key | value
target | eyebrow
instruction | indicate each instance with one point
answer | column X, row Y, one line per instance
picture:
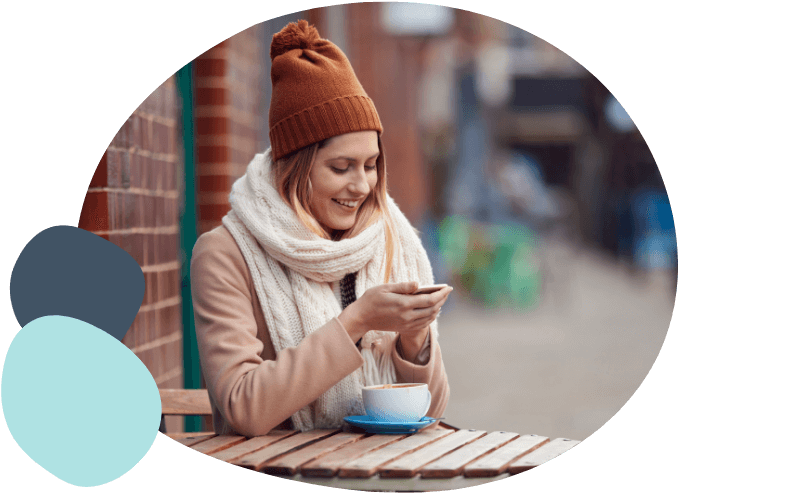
column 348, row 158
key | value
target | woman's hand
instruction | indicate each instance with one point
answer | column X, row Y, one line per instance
column 391, row 308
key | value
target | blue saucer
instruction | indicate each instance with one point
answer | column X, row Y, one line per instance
column 378, row 427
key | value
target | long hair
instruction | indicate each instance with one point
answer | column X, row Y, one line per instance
column 291, row 176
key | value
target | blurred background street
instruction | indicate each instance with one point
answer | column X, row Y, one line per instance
column 565, row 367
column 536, row 197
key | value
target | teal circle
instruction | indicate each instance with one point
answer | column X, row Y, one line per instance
column 78, row 401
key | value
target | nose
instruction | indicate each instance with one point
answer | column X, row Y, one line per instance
column 360, row 183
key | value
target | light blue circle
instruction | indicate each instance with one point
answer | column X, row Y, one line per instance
column 78, row 401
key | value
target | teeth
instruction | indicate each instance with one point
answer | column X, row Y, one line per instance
column 351, row 204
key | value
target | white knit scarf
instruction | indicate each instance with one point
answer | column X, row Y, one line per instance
column 293, row 268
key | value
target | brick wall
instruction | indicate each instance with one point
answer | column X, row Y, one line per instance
column 132, row 201
column 389, row 68
column 229, row 105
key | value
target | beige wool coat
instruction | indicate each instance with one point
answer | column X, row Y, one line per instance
column 253, row 391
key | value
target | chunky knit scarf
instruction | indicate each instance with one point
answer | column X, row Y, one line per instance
column 293, row 268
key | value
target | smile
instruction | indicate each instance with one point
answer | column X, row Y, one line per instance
column 346, row 203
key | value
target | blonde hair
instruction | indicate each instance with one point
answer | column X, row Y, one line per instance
column 291, row 177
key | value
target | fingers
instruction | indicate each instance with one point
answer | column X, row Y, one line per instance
column 430, row 299
column 402, row 288
column 429, row 313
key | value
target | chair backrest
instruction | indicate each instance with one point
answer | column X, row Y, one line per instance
column 184, row 402
column 196, row 402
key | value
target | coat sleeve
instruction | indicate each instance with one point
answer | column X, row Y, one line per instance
column 432, row 373
column 252, row 394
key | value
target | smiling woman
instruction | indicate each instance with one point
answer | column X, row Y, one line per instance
column 343, row 182
column 304, row 295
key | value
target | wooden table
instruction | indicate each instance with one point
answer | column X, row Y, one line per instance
column 433, row 459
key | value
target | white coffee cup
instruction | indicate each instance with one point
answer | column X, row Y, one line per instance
column 396, row 402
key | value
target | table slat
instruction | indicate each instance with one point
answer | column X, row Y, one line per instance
column 329, row 465
column 217, row 443
column 452, row 464
column 409, row 465
column 258, row 458
column 180, row 435
column 497, row 462
column 289, row 463
column 190, row 440
column 541, row 455
column 368, row 464
column 252, row 444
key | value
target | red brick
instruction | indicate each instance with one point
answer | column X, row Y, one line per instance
column 148, row 216
column 125, row 169
column 174, row 354
column 164, row 138
column 151, row 242
column 94, row 214
column 209, row 67
column 170, row 211
column 173, row 140
column 212, row 125
column 213, row 183
column 145, row 133
column 119, row 211
column 167, row 248
column 100, row 178
column 168, row 284
column 158, row 249
column 156, row 137
column 152, row 327
column 144, row 172
column 159, row 209
column 128, row 210
column 138, row 245
column 171, row 176
column 159, row 328
column 211, row 97
column 162, row 176
column 213, row 212
column 136, row 170
column 114, row 161
column 149, row 288
column 212, row 154
column 174, row 318
column 172, row 283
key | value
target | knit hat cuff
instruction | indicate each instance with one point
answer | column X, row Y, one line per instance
column 338, row 116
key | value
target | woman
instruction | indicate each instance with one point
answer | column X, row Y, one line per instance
column 304, row 294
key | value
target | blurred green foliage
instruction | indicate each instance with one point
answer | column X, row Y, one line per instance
column 495, row 265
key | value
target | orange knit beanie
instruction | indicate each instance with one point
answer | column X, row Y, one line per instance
column 315, row 93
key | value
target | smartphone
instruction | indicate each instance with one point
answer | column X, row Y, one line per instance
column 429, row 289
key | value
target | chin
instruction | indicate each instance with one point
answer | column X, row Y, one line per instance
column 341, row 225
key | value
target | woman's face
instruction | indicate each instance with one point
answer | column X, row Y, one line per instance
column 344, row 173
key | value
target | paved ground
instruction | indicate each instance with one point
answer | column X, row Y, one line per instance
column 566, row 367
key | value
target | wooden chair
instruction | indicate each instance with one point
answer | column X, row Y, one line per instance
column 195, row 402
column 184, row 402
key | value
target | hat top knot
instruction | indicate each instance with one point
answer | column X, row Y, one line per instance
column 299, row 35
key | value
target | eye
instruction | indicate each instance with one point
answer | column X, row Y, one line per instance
column 370, row 167
column 338, row 170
